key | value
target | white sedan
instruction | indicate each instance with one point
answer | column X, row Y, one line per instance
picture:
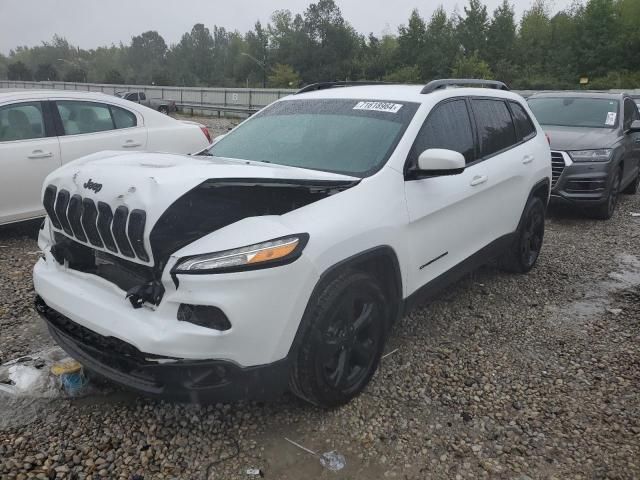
column 41, row 130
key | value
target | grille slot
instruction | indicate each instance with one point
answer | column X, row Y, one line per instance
column 119, row 232
column 119, row 229
column 61, row 211
column 557, row 167
column 73, row 214
column 137, row 220
column 89, row 222
column 105, row 217
column 49, row 201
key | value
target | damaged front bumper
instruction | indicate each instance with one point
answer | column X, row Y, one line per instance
column 196, row 381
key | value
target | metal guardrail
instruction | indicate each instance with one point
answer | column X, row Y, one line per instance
column 236, row 100
column 233, row 100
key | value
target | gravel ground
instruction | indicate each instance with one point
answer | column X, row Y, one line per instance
column 503, row 376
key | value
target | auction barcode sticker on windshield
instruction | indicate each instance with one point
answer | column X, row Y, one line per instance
column 379, row 106
column 611, row 118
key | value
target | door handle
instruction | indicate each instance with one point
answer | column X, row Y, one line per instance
column 130, row 144
column 40, row 154
column 478, row 179
column 527, row 159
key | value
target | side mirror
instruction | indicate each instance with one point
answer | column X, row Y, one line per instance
column 436, row 162
column 635, row 126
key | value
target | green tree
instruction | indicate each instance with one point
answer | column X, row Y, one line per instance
column 19, row 71
column 114, row 77
column 441, row 46
column 412, row 40
column 75, row 74
column 471, row 66
column 146, row 55
column 332, row 42
column 284, row 76
column 3, row 66
column 501, row 35
column 534, row 41
column 472, row 28
column 410, row 74
column 46, row 72
column 597, row 45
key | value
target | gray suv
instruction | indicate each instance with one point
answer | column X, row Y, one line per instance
column 595, row 147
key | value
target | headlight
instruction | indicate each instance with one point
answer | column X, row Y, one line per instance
column 260, row 255
column 601, row 155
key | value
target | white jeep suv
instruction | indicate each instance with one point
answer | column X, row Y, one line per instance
column 281, row 256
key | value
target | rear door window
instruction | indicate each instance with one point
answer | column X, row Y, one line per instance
column 630, row 113
column 496, row 131
column 448, row 126
column 84, row 117
column 525, row 129
column 21, row 121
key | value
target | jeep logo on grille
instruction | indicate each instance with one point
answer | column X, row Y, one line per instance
column 96, row 187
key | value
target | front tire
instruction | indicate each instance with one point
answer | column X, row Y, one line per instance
column 163, row 109
column 525, row 250
column 632, row 188
column 607, row 209
column 345, row 328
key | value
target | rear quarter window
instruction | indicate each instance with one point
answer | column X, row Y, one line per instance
column 496, row 131
column 525, row 129
column 123, row 118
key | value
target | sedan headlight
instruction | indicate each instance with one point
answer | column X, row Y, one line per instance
column 279, row 251
column 601, row 155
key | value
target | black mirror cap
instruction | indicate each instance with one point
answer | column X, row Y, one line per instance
column 635, row 126
column 415, row 173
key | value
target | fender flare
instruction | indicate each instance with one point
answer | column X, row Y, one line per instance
column 382, row 251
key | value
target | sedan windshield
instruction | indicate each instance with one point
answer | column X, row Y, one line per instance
column 351, row 137
column 576, row 111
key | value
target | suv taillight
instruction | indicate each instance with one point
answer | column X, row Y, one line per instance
column 205, row 130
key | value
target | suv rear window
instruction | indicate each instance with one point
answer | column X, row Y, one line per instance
column 496, row 131
column 351, row 137
column 525, row 128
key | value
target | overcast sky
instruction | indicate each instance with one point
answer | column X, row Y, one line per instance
column 92, row 23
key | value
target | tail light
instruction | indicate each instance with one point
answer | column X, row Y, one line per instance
column 205, row 130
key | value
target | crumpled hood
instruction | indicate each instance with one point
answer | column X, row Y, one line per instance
column 153, row 182
column 579, row 138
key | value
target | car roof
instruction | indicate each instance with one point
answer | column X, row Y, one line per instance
column 38, row 94
column 401, row 93
column 588, row 94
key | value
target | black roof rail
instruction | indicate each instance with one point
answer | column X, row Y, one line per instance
column 326, row 85
column 434, row 85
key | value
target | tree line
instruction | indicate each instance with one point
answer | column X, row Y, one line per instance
column 594, row 39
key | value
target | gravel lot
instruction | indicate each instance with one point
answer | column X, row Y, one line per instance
column 503, row 376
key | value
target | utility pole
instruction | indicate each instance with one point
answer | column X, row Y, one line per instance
column 262, row 65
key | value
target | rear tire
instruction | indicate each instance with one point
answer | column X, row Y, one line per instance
column 606, row 210
column 632, row 188
column 345, row 329
column 525, row 250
